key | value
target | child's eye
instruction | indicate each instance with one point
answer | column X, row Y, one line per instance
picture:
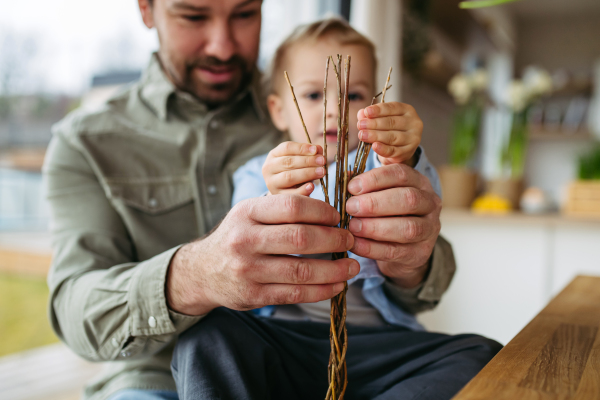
column 355, row 96
column 247, row 14
column 313, row 95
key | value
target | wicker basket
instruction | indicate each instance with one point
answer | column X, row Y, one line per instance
column 583, row 199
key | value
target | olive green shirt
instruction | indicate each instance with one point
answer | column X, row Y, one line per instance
column 127, row 185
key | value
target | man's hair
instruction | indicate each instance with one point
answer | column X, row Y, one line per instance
column 330, row 28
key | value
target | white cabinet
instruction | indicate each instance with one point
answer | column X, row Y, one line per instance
column 508, row 268
column 576, row 250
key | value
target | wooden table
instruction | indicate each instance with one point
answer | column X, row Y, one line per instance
column 556, row 356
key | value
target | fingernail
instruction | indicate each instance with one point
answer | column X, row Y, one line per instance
column 352, row 206
column 362, row 124
column 354, row 269
column 320, row 171
column 308, row 187
column 361, row 135
column 355, row 186
column 338, row 287
column 355, row 225
column 369, row 111
column 349, row 241
column 312, row 149
column 320, row 160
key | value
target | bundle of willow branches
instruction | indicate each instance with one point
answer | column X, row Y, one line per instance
column 338, row 336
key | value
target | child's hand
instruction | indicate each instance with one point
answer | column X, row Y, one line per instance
column 394, row 129
column 292, row 167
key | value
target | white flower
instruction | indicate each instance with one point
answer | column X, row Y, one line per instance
column 460, row 88
column 537, row 81
column 517, row 96
column 479, row 79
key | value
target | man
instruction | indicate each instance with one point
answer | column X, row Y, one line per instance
column 130, row 184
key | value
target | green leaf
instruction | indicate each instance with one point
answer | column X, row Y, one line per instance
column 483, row 3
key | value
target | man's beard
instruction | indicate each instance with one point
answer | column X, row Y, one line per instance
column 215, row 94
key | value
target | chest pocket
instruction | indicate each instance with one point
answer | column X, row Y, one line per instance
column 152, row 195
column 159, row 212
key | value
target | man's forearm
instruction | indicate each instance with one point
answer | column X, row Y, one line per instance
column 182, row 293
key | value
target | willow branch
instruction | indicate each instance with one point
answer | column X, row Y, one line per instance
column 287, row 78
column 326, row 187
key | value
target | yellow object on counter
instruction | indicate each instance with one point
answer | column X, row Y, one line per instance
column 491, row 203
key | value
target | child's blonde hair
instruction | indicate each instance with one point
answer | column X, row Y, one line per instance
column 334, row 28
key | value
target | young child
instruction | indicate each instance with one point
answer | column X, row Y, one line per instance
column 295, row 167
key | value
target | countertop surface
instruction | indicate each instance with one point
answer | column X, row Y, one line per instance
column 454, row 215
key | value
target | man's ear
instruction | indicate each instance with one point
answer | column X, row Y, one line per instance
column 146, row 11
column 275, row 105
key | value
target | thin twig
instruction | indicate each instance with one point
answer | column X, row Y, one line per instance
column 304, row 126
column 385, row 87
column 339, row 130
column 326, row 188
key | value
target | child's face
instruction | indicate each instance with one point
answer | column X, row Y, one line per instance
column 305, row 64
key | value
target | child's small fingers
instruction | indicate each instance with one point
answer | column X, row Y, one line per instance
column 388, row 109
column 291, row 178
column 399, row 152
column 286, row 163
column 391, row 138
column 303, row 190
column 390, row 123
column 296, row 149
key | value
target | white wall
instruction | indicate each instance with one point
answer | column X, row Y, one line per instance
column 552, row 164
column 381, row 21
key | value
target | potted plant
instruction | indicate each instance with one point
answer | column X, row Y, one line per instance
column 521, row 95
column 459, row 179
column 583, row 198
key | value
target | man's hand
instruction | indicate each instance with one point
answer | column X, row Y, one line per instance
column 291, row 167
column 395, row 130
column 244, row 264
column 396, row 221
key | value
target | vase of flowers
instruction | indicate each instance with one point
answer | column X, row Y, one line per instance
column 521, row 96
column 459, row 178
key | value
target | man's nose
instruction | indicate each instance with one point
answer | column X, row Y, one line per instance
column 220, row 42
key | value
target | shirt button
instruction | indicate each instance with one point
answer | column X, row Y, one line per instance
column 152, row 322
column 152, row 202
column 125, row 353
column 212, row 189
column 214, row 124
column 115, row 342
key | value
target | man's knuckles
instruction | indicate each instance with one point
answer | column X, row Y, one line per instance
column 300, row 237
column 411, row 199
column 299, row 272
column 291, row 207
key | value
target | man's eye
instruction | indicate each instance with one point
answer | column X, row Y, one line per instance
column 355, row 97
column 313, row 96
column 195, row 18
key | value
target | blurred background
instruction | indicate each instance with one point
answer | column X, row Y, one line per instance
column 510, row 99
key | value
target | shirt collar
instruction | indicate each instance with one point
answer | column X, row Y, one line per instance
column 157, row 90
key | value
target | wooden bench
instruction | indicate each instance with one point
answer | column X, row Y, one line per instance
column 556, row 356
column 47, row 373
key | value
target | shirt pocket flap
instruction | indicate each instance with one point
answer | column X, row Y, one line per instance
column 153, row 196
